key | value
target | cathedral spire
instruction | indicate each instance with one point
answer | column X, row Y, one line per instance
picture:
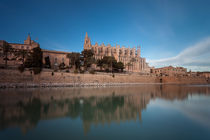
column 87, row 43
column 86, row 35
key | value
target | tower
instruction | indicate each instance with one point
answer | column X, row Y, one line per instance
column 28, row 40
column 87, row 43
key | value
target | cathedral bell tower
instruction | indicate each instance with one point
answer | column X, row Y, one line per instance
column 87, row 43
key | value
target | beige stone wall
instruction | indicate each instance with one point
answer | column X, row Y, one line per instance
column 56, row 58
column 185, row 80
column 170, row 71
column 14, row 76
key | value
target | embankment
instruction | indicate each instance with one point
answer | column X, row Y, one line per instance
column 13, row 78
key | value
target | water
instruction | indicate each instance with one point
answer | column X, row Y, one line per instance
column 172, row 112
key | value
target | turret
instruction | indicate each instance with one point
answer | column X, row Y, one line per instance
column 138, row 51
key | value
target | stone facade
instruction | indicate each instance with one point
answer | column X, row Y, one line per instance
column 13, row 60
column 131, row 57
column 169, row 71
column 56, row 57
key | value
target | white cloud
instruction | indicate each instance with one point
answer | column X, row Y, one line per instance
column 196, row 57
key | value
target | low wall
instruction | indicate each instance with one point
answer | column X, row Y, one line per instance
column 46, row 78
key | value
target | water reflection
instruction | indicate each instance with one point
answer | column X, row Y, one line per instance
column 24, row 108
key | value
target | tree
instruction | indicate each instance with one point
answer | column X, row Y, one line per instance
column 87, row 58
column 34, row 60
column 74, row 60
column 6, row 49
column 99, row 63
column 21, row 53
column 62, row 66
column 47, row 62
column 120, row 66
column 108, row 62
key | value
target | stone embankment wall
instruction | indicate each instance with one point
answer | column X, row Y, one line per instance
column 185, row 80
column 13, row 78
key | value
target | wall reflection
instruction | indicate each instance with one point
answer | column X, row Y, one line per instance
column 24, row 108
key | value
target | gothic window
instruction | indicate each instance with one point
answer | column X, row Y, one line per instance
column 27, row 47
column 22, row 47
column 55, row 60
column 63, row 60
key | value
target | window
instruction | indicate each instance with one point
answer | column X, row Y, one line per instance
column 22, row 47
column 63, row 60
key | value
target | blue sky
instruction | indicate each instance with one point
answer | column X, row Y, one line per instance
column 164, row 28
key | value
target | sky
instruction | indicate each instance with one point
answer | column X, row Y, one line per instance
column 170, row 32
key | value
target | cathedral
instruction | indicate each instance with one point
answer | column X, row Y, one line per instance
column 130, row 57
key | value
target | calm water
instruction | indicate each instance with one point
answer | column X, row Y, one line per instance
column 134, row 112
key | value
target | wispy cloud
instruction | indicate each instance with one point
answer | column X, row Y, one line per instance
column 52, row 45
column 196, row 57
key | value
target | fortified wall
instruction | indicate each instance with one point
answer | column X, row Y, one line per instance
column 10, row 78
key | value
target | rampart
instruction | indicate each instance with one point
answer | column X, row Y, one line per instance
column 13, row 78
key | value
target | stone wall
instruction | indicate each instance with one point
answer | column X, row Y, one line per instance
column 185, row 80
column 14, row 76
column 62, row 78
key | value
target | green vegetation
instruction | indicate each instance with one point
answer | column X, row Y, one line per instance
column 109, row 63
column 6, row 49
column 22, row 54
column 62, row 66
column 74, row 60
column 47, row 62
column 34, row 60
column 87, row 58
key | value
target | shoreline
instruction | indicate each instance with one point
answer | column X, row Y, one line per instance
column 49, row 85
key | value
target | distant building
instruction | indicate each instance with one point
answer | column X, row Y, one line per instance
column 169, row 71
column 130, row 57
column 205, row 74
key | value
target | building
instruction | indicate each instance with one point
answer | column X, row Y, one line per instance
column 130, row 57
column 169, row 71
column 55, row 57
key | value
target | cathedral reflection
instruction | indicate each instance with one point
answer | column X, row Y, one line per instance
column 24, row 108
